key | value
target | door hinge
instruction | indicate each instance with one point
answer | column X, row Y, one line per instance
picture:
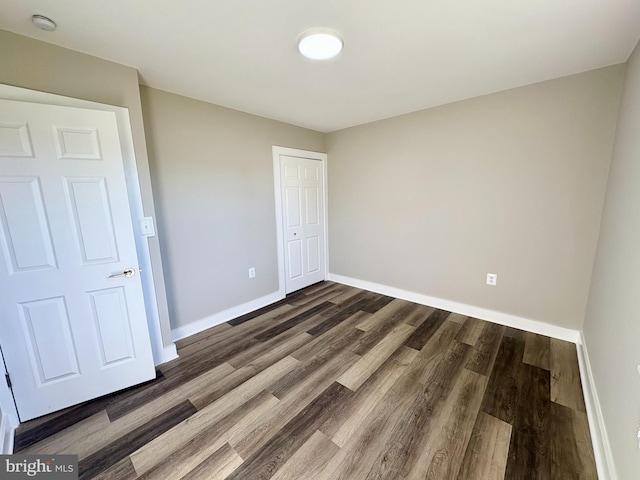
column 8, row 378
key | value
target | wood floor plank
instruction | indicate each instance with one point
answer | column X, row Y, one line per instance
column 309, row 460
column 213, row 337
column 292, row 381
column 316, row 288
column 146, row 457
column 565, row 461
column 293, row 399
column 470, row 331
column 292, row 322
column 356, row 457
column 395, row 308
column 369, row 363
column 165, row 395
column 529, row 455
column 123, row 470
column 515, row 333
column 457, row 318
column 378, row 301
column 419, row 316
column 216, row 467
column 387, row 319
column 405, row 441
column 340, row 336
column 129, row 443
column 369, row 395
column 488, row 449
column 486, row 348
column 587, row 464
column 188, row 367
column 436, row 348
column 502, row 392
column 347, row 295
column 326, row 294
column 537, row 350
column 207, row 442
column 566, row 388
column 336, row 315
column 425, row 331
column 264, row 463
column 79, row 438
column 213, row 391
column 285, row 302
column 203, row 335
column 26, row 439
column 288, row 341
column 445, row 454
column 36, row 430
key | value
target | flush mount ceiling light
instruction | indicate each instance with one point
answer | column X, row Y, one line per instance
column 44, row 23
column 320, row 43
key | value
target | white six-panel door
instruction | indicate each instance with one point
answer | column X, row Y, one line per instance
column 302, row 183
column 68, row 331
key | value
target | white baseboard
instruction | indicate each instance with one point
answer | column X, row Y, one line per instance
column 6, row 434
column 224, row 316
column 168, row 353
column 601, row 446
column 534, row 326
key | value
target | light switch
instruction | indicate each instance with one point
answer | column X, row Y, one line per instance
column 147, row 228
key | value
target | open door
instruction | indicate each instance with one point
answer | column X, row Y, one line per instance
column 72, row 318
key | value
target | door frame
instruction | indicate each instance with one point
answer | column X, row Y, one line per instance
column 161, row 353
column 294, row 152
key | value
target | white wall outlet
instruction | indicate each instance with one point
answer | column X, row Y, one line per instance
column 147, row 228
column 252, row 272
column 492, row 279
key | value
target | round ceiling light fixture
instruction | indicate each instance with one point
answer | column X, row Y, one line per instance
column 44, row 23
column 320, row 43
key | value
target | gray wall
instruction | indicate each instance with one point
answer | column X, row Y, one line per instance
column 212, row 170
column 612, row 324
column 511, row 183
column 29, row 63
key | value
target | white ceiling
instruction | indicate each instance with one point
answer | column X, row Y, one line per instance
column 399, row 55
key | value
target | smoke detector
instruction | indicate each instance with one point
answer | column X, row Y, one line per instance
column 44, row 23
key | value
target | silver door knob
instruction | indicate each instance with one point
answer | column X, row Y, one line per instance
column 129, row 272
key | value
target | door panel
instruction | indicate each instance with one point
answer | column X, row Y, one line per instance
column 113, row 325
column 48, row 332
column 70, row 332
column 15, row 140
column 26, row 239
column 292, row 207
column 89, row 204
column 313, row 254
column 303, row 214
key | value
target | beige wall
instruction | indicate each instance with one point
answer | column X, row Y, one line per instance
column 212, row 170
column 612, row 324
column 29, row 63
column 510, row 183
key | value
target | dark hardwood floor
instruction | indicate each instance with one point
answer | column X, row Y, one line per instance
column 334, row 382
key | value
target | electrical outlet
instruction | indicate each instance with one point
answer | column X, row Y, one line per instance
column 252, row 272
column 492, row 279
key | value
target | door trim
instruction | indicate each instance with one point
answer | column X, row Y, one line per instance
column 161, row 353
column 294, row 152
